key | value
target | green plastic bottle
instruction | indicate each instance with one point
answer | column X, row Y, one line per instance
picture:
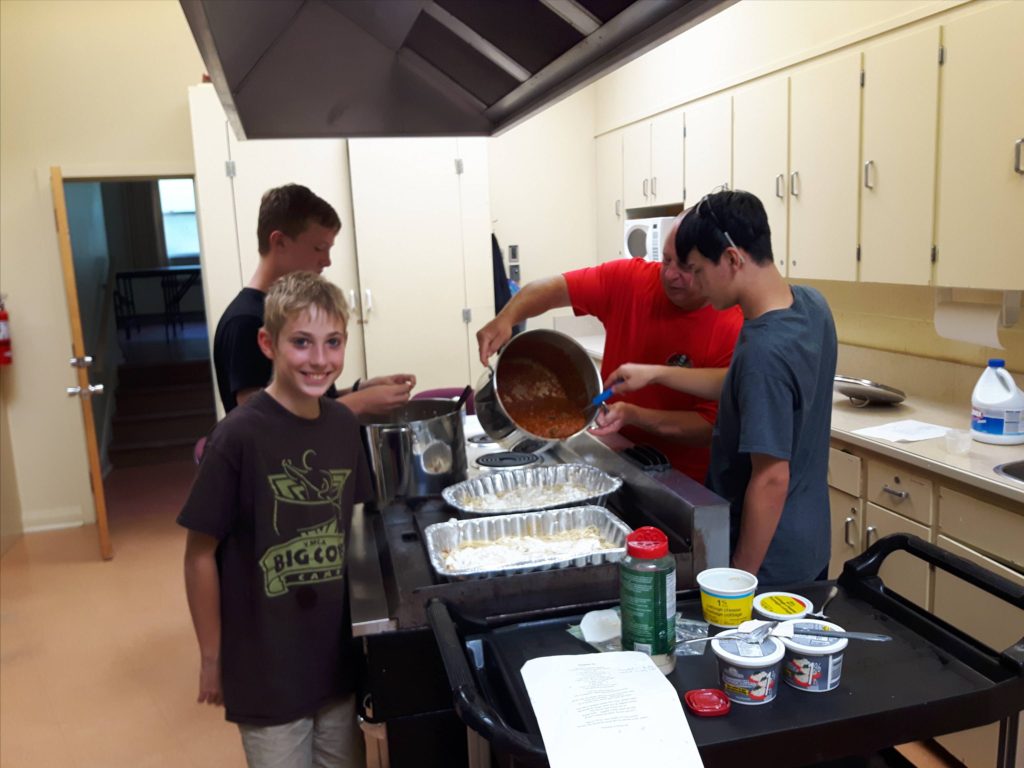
column 647, row 597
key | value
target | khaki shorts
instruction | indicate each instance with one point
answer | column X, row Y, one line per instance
column 329, row 739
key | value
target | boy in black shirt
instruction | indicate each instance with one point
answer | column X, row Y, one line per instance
column 268, row 518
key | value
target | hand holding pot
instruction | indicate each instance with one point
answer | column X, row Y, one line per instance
column 492, row 337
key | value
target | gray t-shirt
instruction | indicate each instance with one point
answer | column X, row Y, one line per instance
column 777, row 400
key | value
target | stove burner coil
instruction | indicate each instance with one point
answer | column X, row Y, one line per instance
column 507, row 460
column 648, row 458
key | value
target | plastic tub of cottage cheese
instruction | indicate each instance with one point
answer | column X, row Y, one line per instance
column 781, row 606
column 749, row 672
column 726, row 595
column 813, row 663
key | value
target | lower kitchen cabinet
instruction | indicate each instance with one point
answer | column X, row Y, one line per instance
column 901, row 571
column 847, row 526
column 994, row 622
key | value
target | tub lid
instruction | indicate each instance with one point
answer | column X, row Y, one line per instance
column 782, row 604
column 732, row 649
column 817, row 645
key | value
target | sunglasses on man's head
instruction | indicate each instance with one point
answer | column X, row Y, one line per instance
column 705, row 205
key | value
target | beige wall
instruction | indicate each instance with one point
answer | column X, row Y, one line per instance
column 98, row 88
column 543, row 185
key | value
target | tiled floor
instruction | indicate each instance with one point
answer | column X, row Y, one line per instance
column 98, row 663
column 98, row 660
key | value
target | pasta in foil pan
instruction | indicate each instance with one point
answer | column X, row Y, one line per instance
column 531, row 488
column 530, row 541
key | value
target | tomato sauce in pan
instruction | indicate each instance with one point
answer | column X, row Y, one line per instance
column 536, row 400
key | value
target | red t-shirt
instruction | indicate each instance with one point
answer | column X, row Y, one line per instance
column 643, row 326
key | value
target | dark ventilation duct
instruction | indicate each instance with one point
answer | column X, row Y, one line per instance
column 331, row 68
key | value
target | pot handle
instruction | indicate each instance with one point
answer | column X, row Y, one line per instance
column 399, row 470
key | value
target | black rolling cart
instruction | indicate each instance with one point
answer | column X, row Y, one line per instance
column 931, row 679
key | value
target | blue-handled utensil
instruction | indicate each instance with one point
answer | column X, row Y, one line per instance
column 591, row 409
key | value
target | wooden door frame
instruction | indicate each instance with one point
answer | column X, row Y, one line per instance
column 78, row 347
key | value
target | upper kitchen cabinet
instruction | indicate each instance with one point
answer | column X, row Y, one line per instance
column 760, row 162
column 980, row 227
column 708, row 147
column 652, row 153
column 421, row 258
column 901, row 89
column 610, row 210
column 824, row 171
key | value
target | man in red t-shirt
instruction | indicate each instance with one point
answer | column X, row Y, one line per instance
column 652, row 313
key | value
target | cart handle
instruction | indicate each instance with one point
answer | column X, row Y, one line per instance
column 859, row 573
column 470, row 705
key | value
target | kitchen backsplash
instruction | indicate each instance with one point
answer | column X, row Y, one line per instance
column 922, row 377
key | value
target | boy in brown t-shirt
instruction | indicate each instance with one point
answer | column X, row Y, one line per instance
column 268, row 518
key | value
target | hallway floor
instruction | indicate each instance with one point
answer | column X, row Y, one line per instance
column 98, row 662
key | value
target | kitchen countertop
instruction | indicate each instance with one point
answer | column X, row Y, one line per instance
column 975, row 468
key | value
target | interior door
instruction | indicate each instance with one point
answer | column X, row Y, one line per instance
column 410, row 253
column 80, row 362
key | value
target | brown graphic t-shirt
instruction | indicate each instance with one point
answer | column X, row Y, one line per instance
column 276, row 491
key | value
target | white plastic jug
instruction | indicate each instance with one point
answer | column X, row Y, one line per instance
column 996, row 407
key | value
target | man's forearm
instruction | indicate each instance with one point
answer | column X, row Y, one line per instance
column 686, row 427
column 535, row 298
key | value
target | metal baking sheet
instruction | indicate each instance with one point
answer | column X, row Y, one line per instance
column 531, row 488
column 441, row 538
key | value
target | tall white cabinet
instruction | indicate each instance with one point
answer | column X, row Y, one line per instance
column 413, row 254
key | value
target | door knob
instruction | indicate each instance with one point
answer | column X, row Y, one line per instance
column 92, row 389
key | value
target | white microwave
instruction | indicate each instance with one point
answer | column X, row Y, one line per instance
column 644, row 238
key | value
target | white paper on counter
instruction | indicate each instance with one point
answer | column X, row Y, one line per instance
column 608, row 710
column 906, row 431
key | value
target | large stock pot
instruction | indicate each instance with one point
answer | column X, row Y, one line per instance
column 417, row 449
column 523, row 370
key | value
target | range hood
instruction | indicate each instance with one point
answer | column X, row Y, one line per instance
column 347, row 68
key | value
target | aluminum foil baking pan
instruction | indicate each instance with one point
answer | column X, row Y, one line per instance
column 531, row 488
column 442, row 538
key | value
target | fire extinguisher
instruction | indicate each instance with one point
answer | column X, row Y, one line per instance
column 5, row 335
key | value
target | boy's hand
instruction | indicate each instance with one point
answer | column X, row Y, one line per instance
column 210, row 691
column 379, row 398
column 396, row 379
column 631, row 377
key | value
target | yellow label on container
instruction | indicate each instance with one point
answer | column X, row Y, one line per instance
column 723, row 611
column 783, row 604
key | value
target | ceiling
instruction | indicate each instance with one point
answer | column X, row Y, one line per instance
column 345, row 68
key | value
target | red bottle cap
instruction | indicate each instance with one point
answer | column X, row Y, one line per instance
column 707, row 702
column 647, row 543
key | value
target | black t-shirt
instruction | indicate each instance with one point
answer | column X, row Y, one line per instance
column 276, row 491
column 237, row 358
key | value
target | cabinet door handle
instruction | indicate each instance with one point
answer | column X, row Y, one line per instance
column 352, row 300
column 367, row 303
column 846, row 532
column 1017, row 155
column 618, row 208
column 645, row 188
column 868, row 184
column 871, row 531
column 794, row 183
column 901, row 495
column 780, row 186
column 654, row 186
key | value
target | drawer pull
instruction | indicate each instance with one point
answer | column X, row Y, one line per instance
column 901, row 495
column 846, row 532
column 871, row 531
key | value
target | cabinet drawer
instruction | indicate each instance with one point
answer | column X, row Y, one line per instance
column 995, row 623
column 844, row 471
column 894, row 487
column 983, row 526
